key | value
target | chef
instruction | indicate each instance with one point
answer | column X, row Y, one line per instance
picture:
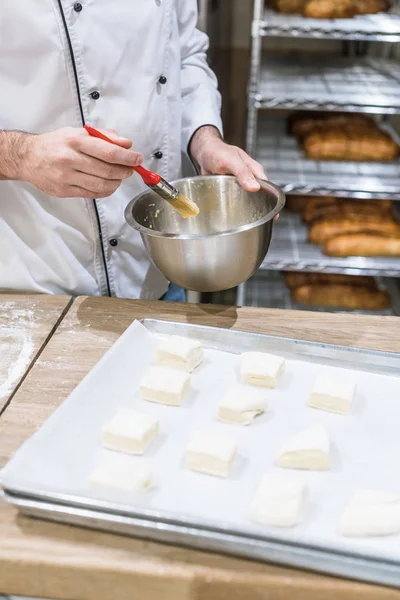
column 135, row 69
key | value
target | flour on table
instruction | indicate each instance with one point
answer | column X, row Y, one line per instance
column 16, row 352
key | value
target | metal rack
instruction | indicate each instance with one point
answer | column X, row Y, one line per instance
column 269, row 291
column 374, row 28
column 295, row 81
column 290, row 251
column 286, row 165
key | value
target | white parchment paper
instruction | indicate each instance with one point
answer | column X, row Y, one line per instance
column 60, row 457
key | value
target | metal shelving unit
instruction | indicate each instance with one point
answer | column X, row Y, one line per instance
column 355, row 82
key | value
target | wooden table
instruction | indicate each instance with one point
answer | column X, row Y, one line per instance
column 57, row 561
column 26, row 323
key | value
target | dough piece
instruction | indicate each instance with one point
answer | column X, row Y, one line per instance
column 164, row 385
column 308, row 449
column 179, row 353
column 211, row 452
column 130, row 431
column 241, row 405
column 371, row 513
column 125, row 473
column 261, row 369
column 332, row 394
column 280, row 501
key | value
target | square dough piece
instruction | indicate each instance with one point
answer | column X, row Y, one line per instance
column 165, row 386
column 179, row 353
column 371, row 513
column 332, row 394
column 130, row 431
column 308, row 449
column 211, row 452
column 121, row 472
column 280, row 501
column 258, row 368
column 241, row 405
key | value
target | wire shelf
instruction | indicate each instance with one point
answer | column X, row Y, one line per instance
column 383, row 27
column 267, row 289
column 287, row 166
column 290, row 251
column 364, row 85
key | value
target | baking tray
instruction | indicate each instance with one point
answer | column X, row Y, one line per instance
column 204, row 512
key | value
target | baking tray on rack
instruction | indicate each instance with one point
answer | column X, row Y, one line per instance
column 287, row 166
column 365, row 85
column 291, row 251
column 204, row 512
column 267, row 289
column 383, row 27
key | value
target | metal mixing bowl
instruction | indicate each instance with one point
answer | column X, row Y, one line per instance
column 220, row 248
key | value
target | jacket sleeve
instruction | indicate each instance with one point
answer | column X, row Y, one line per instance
column 201, row 100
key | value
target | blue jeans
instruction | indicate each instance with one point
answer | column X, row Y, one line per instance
column 174, row 294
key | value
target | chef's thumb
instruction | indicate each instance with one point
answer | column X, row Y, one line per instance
column 246, row 178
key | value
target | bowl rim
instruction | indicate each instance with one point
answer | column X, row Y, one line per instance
column 265, row 184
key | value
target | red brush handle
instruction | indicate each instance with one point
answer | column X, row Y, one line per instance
column 148, row 177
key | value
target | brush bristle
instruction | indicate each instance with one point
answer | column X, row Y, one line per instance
column 185, row 207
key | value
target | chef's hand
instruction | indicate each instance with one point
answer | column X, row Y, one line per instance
column 69, row 163
column 215, row 157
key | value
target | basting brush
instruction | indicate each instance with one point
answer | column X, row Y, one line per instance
column 165, row 190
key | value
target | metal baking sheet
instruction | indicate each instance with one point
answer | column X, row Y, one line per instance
column 268, row 289
column 317, row 83
column 48, row 475
column 290, row 250
column 384, row 27
column 287, row 166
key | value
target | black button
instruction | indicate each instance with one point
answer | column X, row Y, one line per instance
column 95, row 95
column 163, row 80
column 158, row 155
column 113, row 242
column 78, row 7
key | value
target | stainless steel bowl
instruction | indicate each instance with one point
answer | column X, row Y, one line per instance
column 220, row 248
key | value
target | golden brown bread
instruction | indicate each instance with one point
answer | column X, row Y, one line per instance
column 371, row 7
column 301, row 124
column 341, row 209
column 303, row 203
column 297, row 279
column 362, row 244
column 329, row 9
column 327, row 228
column 289, row 6
column 350, row 143
column 341, row 296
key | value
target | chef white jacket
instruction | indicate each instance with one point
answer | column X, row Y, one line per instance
column 136, row 66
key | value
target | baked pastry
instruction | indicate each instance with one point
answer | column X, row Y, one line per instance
column 344, row 209
column 301, row 124
column 362, row 244
column 297, row 279
column 329, row 9
column 327, row 228
column 350, row 143
column 371, row 7
column 289, row 6
column 301, row 204
column 347, row 297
